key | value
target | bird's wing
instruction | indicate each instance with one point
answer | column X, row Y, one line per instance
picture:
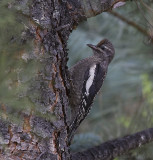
column 93, row 80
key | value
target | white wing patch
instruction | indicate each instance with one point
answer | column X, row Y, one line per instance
column 90, row 79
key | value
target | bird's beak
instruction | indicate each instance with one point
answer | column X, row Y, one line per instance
column 95, row 48
column 92, row 46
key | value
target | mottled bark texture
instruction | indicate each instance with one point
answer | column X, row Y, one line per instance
column 37, row 137
column 92, row 8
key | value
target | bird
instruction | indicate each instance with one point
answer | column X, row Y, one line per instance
column 86, row 79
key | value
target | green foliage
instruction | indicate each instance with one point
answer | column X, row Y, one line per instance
column 147, row 89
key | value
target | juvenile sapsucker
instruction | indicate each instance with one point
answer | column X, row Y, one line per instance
column 87, row 77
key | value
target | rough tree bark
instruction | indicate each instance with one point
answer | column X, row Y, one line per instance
column 38, row 138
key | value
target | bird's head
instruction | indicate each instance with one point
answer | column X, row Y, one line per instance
column 103, row 49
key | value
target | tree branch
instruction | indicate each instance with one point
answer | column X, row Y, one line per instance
column 131, row 23
column 92, row 8
column 117, row 147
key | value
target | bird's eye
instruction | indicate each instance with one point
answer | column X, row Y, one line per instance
column 103, row 47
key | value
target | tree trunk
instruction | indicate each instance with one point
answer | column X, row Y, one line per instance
column 38, row 138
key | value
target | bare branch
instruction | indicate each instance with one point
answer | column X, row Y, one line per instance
column 131, row 23
column 117, row 147
column 92, row 8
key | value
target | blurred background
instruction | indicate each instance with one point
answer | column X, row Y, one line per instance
column 125, row 103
